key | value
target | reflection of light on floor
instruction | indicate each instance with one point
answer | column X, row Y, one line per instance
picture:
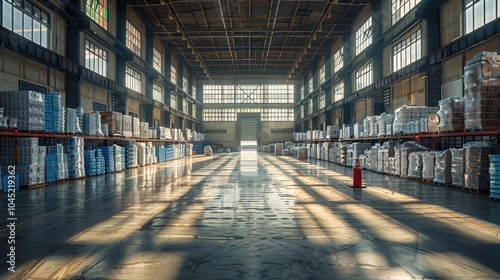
column 248, row 162
column 149, row 265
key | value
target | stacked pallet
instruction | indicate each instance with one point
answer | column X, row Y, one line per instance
column 27, row 106
column 494, row 176
column 457, row 167
column 482, row 92
column 476, row 154
column 451, row 114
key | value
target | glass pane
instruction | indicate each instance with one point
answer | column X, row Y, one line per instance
column 469, row 23
column 478, row 14
column 7, row 15
column 490, row 10
column 18, row 21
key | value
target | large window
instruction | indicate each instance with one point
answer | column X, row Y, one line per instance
column 338, row 59
column 97, row 10
column 157, row 61
column 338, row 92
column 321, row 101
column 193, row 91
column 230, row 115
column 173, row 100
column 276, row 93
column 364, row 76
column 407, row 51
column 311, row 85
column 193, row 113
column 302, row 114
column 27, row 20
column 310, row 107
column 322, row 74
column 185, row 84
column 173, row 75
column 158, row 92
column 133, row 80
column 302, row 91
column 479, row 13
column 401, row 7
column 133, row 39
column 364, row 36
column 184, row 106
column 96, row 59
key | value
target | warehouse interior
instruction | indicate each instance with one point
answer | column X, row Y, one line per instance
column 254, row 139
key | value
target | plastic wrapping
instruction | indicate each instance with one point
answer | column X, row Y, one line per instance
column 494, row 171
column 109, row 158
column 90, row 162
column 96, row 118
column 415, row 165
column 358, row 130
column 127, row 125
column 28, row 107
column 114, row 122
column 79, row 116
column 100, row 162
column 118, row 158
column 428, row 165
column 457, row 167
column 397, row 160
column 367, row 127
column 405, row 115
column 406, row 149
column 373, row 126
column 476, row 158
column 451, row 114
column 433, row 123
column 71, row 121
column 482, row 92
column 382, row 121
column 442, row 169
column 54, row 113
column 75, row 156
column 136, row 127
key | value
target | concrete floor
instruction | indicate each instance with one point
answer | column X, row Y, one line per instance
column 243, row 216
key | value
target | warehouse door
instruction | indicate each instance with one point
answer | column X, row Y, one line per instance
column 248, row 128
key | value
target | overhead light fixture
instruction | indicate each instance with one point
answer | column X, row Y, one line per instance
column 201, row 65
column 293, row 70
column 305, row 51
column 197, row 59
column 170, row 15
column 289, row 76
column 204, row 70
column 314, row 37
column 183, row 36
column 296, row 65
column 320, row 28
column 300, row 59
column 193, row 52
column 189, row 46
column 329, row 14
column 309, row 45
column 178, row 29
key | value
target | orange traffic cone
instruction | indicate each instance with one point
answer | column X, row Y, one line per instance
column 357, row 179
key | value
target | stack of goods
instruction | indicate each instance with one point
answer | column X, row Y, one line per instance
column 423, row 125
column 391, row 166
column 374, row 158
column 278, row 149
column 433, row 123
column 136, row 127
column 118, row 158
column 54, row 113
column 316, row 134
column 397, row 160
column 373, row 126
column 332, row 132
column 324, row 151
column 429, row 164
column 76, row 164
column 123, row 158
column 406, row 150
column 90, row 162
column 160, row 153
column 183, row 150
column 476, row 154
column 457, row 167
column 168, row 133
column 451, row 114
column 187, row 134
column 359, row 148
column 302, row 153
column 141, row 154
column 51, row 167
column 127, row 126
column 42, row 153
column 105, row 130
column 144, row 127
column 130, row 150
column 347, row 131
column 150, row 154
column 286, row 152
column 3, row 121
column 383, row 121
column 100, row 162
column 367, row 127
column 92, row 124
column 169, row 152
column 309, row 135
column 109, row 158
column 415, row 165
column 176, row 134
column 385, row 152
column 271, row 148
column 28, row 107
column 312, row 151
column 114, row 122
column 159, row 132
column 405, row 115
column 369, row 158
column 358, row 130
column 482, row 92
column 494, row 176
column 189, row 150
column 322, row 135
column 442, row 171
column 72, row 123
column 343, row 154
column 61, row 161
column 27, row 152
column 79, row 119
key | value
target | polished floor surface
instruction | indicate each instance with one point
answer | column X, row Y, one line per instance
column 251, row 216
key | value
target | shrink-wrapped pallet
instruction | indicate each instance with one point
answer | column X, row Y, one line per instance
column 406, row 150
column 457, row 167
column 382, row 121
column 28, row 107
column 358, row 130
column 127, row 126
column 114, row 122
column 442, row 170
column 428, row 165
column 415, row 165
column 451, row 114
column 476, row 153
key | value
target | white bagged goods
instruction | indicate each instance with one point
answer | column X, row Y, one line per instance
column 451, row 114
column 406, row 150
column 428, row 165
column 415, row 165
column 382, row 121
column 332, row 132
column 28, row 107
column 358, row 130
column 127, row 126
column 75, row 157
column 442, row 170
column 457, row 167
